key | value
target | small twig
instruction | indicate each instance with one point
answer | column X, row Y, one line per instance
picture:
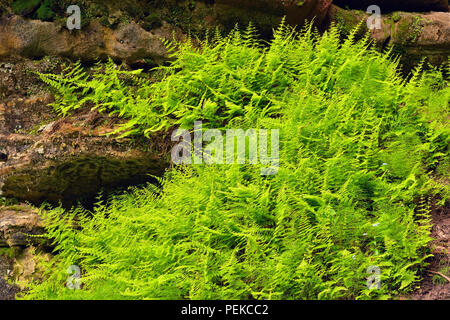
column 442, row 275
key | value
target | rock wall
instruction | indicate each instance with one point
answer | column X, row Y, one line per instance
column 140, row 40
column 131, row 31
column 387, row 6
column 412, row 35
column 128, row 42
column 53, row 159
column 18, row 225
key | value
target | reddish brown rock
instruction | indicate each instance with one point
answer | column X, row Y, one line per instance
column 71, row 160
column 412, row 35
column 128, row 42
column 18, row 224
column 44, row 157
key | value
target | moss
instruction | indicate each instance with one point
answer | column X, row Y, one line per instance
column 45, row 11
column 35, row 129
column 5, row 202
column 191, row 4
column 25, row 7
column 80, row 178
column 152, row 21
column 39, row 9
column 439, row 279
column 3, row 7
column 405, row 34
column 396, row 16
column 104, row 21
column 347, row 20
column 416, row 28
column 16, row 207
column 263, row 22
column 10, row 253
column 408, row 30
column 188, row 15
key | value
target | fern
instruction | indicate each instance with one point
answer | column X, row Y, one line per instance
column 359, row 146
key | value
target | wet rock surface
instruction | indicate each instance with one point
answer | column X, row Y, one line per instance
column 79, row 179
column 68, row 162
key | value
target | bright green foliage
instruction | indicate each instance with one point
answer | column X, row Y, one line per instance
column 358, row 148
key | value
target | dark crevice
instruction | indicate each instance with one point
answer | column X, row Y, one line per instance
column 3, row 157
column 81, row 180
column 385, row 43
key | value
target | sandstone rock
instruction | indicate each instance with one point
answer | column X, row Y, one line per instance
column 17, row 223
column 132, row 43
column 7, row 290
column 47, row 158
column 129, row 42
column 71, row 162
column 413, row 35
column 393, row 5
column 417, row 35
column 28, row 266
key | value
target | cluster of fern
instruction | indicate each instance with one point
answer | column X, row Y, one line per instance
column 360, row 151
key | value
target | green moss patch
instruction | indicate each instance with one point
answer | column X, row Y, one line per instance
column 79, row 179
